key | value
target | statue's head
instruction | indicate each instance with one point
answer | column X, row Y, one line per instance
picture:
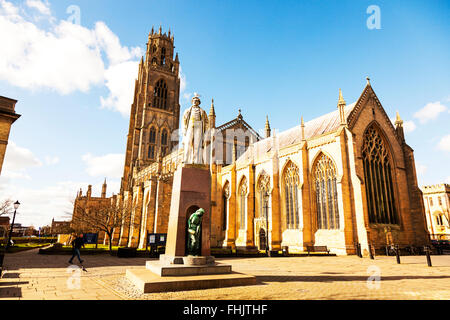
column 200, row 212
column 196, row 101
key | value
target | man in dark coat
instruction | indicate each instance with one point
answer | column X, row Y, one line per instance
column 76, row 245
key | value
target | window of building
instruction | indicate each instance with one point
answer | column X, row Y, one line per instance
column 243, row 204
column 164, row 143
column 163, row 56
column 325, row 187
column 439, row 220
column 264, row 196
column 431, row 201
column 160, row 95
column 291, row 195
column 152, row 143
column 226, row 196
column 440, row 201
column 378, row 179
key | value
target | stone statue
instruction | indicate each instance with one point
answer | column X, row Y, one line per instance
column 194, row 230
column 195, row 124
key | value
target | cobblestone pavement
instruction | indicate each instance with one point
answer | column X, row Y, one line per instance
column 33, row 276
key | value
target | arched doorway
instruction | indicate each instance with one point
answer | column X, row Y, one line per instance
column 262, row 239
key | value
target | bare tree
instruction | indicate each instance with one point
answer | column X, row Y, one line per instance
column 6, row 207
column 101, row 218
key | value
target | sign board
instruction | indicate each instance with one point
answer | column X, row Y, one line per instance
column 90, row 238
column 156, row 239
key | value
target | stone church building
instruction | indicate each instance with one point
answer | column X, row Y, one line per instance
column 344, row 178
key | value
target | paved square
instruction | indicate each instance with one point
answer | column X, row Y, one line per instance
column 33, row 276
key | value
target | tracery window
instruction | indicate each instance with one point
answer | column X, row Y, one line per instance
column 160, row 95
column 291, row 184
column 378, row 179
column 243, row 204
column 152, row 143
column 263, row 189
column 164, row 143
column 325, row 186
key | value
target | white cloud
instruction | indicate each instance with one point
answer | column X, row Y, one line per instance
column 444, row 143
column 65, row 57
column 408, row 126
column 183, row 84
column 421, row 169
column 121, row 96
column 430, row 112
column 51, row 160
column 42, row 7
column 18, row 158
column 447, row 180
column 110, row 165
column 39, row 206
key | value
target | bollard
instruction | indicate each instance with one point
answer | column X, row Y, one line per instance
column 370, row 252
column 397, row 253
column 427, row 252
column 358, row 250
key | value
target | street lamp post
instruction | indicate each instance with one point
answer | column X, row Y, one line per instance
column 266, row 213
column 16, row 206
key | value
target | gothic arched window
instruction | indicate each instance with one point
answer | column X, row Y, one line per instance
column 291, row 184
column 243, row 204
column 378, row 179
column 325, row 187
column 160, row 95
column 152, row 143
column 164, row 142
column 263, row 193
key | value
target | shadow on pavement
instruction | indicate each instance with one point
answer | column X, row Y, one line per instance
column 13, row 283
column 287, row 278
column 32, row 260
column 11, row 275
column 10, row 292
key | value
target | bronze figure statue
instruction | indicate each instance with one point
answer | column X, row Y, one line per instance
column 194, row 230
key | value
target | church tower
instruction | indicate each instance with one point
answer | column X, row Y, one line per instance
column 155, row 111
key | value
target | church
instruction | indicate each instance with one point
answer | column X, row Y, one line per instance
column 344, row 179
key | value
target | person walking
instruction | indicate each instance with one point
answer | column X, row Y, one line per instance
column 76, row 246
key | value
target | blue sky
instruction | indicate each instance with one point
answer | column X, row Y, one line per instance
column 285, row 59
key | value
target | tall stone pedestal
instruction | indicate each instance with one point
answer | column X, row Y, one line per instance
column 175, row 271
column 191, row 191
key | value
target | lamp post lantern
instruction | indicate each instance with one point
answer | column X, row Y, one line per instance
column 16, row 206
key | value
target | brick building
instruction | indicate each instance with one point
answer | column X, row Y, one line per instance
column 85, row 203
column 59, row 227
